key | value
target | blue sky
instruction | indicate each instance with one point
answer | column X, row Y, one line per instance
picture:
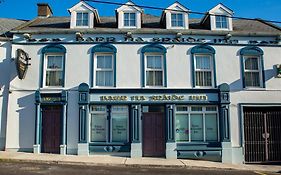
column 265, row 9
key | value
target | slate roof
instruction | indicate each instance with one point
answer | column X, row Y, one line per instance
column 150, row 25
column 7, row 25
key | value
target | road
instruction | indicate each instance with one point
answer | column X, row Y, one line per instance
column 13, row 168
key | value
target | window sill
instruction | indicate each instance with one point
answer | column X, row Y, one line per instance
column 254, row 89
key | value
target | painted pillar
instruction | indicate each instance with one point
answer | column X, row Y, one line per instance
column 83, row 142
column 63, row 146
column 136, row 145
column 38, row 124
column 224, row 123
column 171, row 146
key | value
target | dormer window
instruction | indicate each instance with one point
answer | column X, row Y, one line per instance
column 129, row 16
column 175, row 17
column 219, row 18
column 82, row 19
column 221, row 22
column 177, row 20
column 83, row 16
column 129, row 19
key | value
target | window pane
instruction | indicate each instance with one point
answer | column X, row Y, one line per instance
column 211, row 127
column 196, row 108
column 182, row 108
column 98, row 127
column 211, row 108
column 221, row 22
column 104, row 62
column 251, row 64
column 203, row 62
column 196, row 127
column 54, row 62
column 158, row 78
column 119, row 127
column 149, row 78
column 154, row 62
column 203, row 78
column 54, row 78
column 129, row 19
column 252, row 79
column 104, row 78
column 182, row 131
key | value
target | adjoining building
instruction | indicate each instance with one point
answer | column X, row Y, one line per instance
column 141, row 85
column 5, row 64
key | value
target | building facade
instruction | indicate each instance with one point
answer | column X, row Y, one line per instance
column 5, row 64
column 141, row 85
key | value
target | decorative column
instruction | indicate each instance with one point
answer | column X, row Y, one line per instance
column 171, row 146
column 136, row 145
column 63, row 145
column 38, row 124
column 83, row 143
column 224, row 123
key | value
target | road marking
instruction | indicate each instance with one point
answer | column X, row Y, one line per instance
column 259, row 173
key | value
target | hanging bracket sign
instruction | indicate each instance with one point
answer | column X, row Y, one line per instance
column 22, row 63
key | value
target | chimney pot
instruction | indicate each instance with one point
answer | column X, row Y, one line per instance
column 44, row 10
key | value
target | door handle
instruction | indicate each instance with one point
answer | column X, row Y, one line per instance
column 265, row 135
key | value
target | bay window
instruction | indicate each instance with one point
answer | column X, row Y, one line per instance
column 196, row 124
column 109, row 127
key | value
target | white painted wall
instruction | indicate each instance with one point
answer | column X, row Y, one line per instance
column 21, row 103
column 5, row 63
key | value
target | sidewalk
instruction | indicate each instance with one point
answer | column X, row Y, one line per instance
column 124, row 161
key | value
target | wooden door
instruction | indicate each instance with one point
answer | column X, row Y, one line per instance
column 51, row 129
column 153, row 134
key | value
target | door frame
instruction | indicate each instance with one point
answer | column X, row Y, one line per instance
column 61, row 123
column 164, row 117
column 241, row 120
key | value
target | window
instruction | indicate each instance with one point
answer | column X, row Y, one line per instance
column 129, row 19
column 252, row 71
column 154, row 70
column 104, row 70
column 109, row 128
column 203, row 71
column 221, row 22
column 54, row 70
column 177, row 19
column 196, row 124
column 82, row 19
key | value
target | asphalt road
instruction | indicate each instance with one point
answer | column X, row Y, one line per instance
column 12, row 168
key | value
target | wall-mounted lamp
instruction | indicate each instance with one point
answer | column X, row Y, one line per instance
column 227, row 36
column 27, row 36
column 79, row 36
column 129, row 35
column 179, row 35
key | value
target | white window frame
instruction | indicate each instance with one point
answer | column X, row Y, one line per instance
column 259, row 71
column 96, row 69
column 203, row 112
column 183, row 20
column 76, row 19
column 146, row 69
column 130, row 26
column 107, row 129
column 45, row 69
column 227, row 22
column 204, row 70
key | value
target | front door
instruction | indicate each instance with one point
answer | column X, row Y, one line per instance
column 262, row 135
column 153, row 134
column 51, row 129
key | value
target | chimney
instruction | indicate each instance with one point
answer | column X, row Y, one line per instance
column 44, row 10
